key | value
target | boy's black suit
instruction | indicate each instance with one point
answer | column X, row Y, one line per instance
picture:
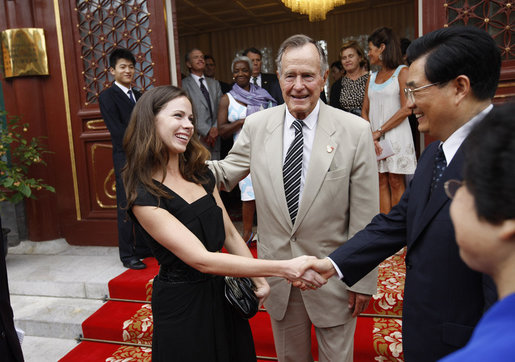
column 116, row 109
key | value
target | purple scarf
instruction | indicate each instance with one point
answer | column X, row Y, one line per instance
column 257, row 99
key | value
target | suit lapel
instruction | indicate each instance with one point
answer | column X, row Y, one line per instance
column 120, row 94
column 319, row 163
column 273, row 147
column 198, row 96
column 438, row 198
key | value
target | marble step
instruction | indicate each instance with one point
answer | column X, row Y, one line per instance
column 52, row 317
column 44, row 349
column 56, row 269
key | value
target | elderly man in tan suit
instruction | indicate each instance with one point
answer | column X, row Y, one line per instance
column 332, row 194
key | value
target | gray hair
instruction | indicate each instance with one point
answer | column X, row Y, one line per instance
column 241, row 58
column 297, row 41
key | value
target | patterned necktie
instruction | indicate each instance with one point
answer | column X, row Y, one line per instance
column 292, row 170
column 204, row 91
column 439, row 167
column 254, row 80
column 131, row 97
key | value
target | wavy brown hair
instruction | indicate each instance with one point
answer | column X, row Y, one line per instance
column 146, row 153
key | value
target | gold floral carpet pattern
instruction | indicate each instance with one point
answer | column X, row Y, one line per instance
column 121, row 331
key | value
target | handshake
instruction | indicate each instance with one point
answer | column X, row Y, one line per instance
column 308, row 272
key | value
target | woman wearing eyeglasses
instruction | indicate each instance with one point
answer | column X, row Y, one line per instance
column 384, row 106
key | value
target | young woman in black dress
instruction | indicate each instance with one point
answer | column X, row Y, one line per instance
column 174, row 202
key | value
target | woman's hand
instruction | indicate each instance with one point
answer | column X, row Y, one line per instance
column 376, row 135
column 262, row 289
column 378, row 148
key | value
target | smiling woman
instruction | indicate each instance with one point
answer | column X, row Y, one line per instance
column 178, row 212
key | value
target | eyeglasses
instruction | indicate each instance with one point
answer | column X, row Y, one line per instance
column 451, row 187
column 410, row 93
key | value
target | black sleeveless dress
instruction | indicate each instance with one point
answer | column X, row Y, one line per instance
column 192, row 320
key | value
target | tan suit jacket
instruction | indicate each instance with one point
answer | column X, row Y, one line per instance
column 340, row 197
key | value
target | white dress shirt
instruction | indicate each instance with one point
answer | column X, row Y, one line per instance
column 453, row 143
column 308, row 134
column 258, row 80
column 125, row 90
column 196, row 78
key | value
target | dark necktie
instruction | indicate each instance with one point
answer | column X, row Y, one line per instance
column 204, row 91
column 439, row 167
column 292, row 171
column 254, row 80
column 131, row 97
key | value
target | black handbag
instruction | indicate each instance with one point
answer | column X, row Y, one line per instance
column 239, row 292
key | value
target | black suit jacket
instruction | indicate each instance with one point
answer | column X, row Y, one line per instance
column 271, row 84
column 334, row 96
column 443, row 298
column 10, row 348
column 116, row 109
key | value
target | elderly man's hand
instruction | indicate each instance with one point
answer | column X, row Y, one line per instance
column 358, row 302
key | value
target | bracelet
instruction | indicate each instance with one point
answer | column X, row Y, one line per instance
column 380, row 130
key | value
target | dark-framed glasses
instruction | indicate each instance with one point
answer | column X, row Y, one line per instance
column 451, row 187
column 410, row 93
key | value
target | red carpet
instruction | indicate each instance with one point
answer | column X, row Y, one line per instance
column 130, row 322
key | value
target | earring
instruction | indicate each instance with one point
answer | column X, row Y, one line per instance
column 381, row 56
column 233, row 78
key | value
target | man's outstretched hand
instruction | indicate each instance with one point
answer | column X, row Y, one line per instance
column 322, row 267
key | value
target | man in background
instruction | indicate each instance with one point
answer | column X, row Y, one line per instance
column 116, row 104
column 205, row 93
column 210, row 72
column 264, row 80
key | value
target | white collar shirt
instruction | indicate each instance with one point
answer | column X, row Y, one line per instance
column 125, row 90
column 453, row 143
column 258, row 80
column 196, row 78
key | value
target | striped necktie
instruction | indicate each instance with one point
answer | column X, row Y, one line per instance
column 131, row 97
column 292, row 171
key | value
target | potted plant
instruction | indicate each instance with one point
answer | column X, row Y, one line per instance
column 17, row 153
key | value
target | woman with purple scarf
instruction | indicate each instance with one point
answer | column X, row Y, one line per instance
column 244, row 99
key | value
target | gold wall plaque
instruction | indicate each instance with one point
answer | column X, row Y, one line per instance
column 24, row 52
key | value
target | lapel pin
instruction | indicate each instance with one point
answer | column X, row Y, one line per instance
column 330, row 149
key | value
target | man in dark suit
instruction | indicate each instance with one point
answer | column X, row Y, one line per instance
column 265, row 80
column 116, row 104
column 210, row 72
column 452, row 78
column 10, row 348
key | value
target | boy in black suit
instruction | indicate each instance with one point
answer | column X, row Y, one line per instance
column 116, row 104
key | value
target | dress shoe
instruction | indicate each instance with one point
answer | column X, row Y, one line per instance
column 134, row 264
